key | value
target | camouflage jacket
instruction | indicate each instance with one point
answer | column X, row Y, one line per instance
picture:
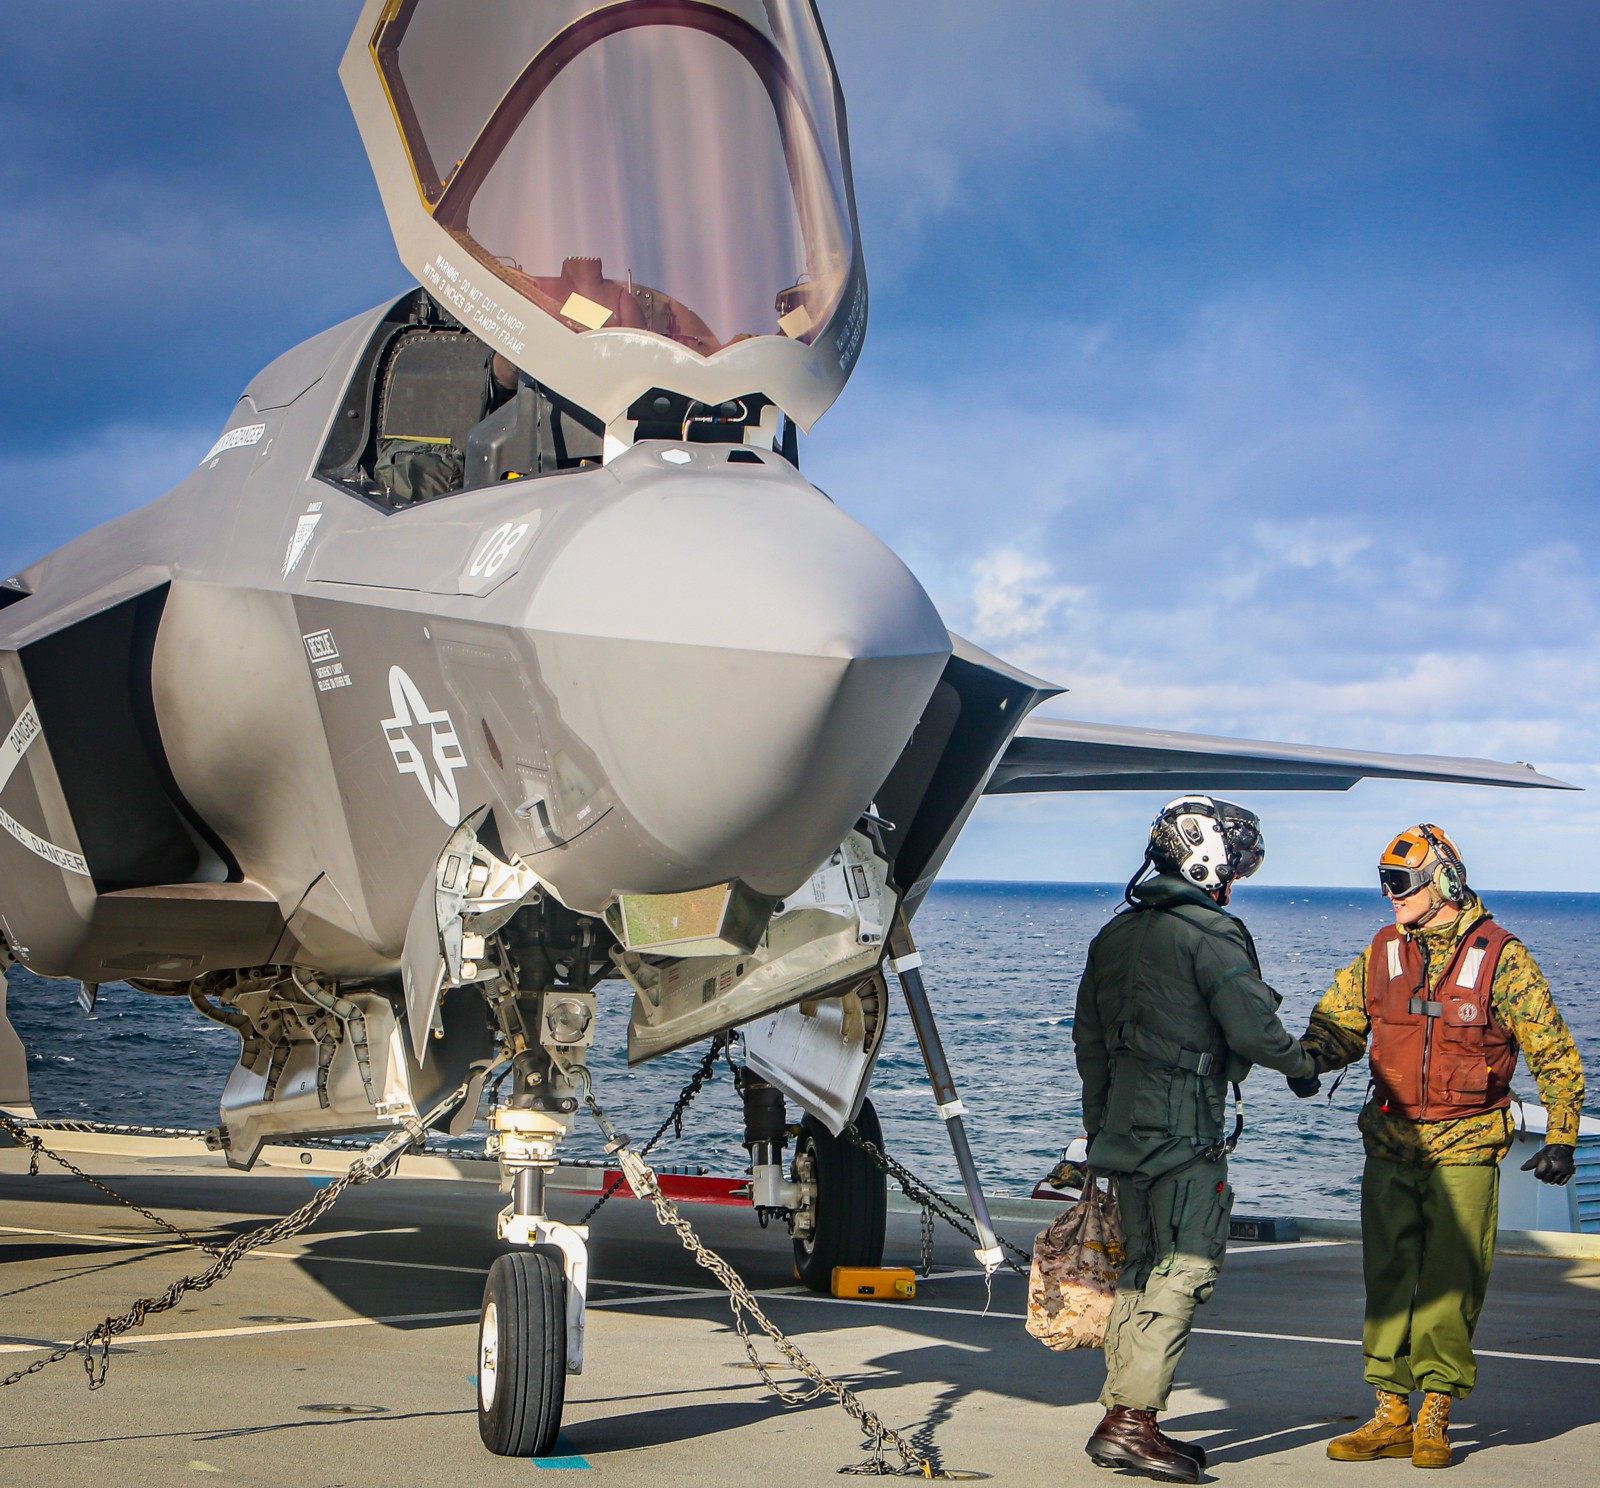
column 1337, row 1036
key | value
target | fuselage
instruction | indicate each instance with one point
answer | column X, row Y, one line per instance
column 681, row 667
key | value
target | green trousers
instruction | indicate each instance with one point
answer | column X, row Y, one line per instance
column 1176, row 1228
column 1427, row 1243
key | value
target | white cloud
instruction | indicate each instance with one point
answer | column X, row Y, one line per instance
column 1267, row 530
column 1014, row 597
column 1313, row 543
column 934, row 100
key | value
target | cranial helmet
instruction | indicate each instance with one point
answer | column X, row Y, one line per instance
column 1208, row 842
column 1420, row 856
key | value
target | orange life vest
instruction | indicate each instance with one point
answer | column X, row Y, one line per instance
column 1438, row 1052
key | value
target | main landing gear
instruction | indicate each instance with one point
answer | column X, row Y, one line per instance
column 835, row 1201
column 843, row 1225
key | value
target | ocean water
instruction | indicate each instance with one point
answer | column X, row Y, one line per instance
column 1002, row 963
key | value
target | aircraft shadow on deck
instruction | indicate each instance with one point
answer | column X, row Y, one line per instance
column 1260, row 1397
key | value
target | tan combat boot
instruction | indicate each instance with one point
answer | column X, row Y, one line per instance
column 1387, row 1434
column 1432, row 1445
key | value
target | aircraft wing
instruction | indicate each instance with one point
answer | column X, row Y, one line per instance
column 1058, row 754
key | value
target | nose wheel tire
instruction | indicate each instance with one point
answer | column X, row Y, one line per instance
column 851, row 1204
column 522, row 1353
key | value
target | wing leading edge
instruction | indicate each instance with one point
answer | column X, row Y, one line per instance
column 1055, row 754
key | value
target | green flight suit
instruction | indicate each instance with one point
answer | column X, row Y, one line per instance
column 1171, row 1009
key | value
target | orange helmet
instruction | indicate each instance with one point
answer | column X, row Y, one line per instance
column 1420, row 856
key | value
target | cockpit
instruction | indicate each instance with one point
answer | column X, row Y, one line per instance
column 432, row 410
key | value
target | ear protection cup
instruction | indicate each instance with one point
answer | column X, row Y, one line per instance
column 1450, row 877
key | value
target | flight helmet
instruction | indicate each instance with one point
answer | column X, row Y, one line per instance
column 1420, row 857
column 1207, row 842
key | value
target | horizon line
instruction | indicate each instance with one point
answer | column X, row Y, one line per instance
column 1089, row 883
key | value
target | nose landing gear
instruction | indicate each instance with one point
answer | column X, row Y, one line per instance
column 530, row 1332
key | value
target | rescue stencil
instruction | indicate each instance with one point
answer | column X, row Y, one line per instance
column 240, row 438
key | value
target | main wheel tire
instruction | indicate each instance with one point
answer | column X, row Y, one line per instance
column 522, row 1353
column 852, row 1202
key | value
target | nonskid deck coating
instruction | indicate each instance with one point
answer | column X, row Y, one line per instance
column 371, row 1316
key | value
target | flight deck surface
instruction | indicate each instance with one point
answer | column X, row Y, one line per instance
column 345, row 1356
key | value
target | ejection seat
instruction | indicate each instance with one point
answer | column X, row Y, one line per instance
column 430, row 410
column 436, row 389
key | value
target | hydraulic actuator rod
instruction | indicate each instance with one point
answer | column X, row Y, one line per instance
column 905, row 962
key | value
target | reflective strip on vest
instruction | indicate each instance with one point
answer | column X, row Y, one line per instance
column 1396, row 970
column 1471, row 963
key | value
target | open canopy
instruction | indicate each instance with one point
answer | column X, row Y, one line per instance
column 646, row 193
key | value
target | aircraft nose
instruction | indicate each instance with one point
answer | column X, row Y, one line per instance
column 745, row 661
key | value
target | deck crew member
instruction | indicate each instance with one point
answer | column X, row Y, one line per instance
column 1445, row 997
column 1171, row 1009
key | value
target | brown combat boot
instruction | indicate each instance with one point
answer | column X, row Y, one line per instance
column 1387, row 1434
column 1128, row 1438
column 1192, row 1450
column 1432, row 1444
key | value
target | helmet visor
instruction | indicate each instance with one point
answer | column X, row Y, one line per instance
column 1247, row 851
column 1241, row 830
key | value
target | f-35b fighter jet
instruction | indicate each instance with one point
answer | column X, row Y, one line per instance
column 498, row 655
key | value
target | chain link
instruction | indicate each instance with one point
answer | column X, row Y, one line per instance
column 115, row 1128
column 746, row 1309
column 932, row 1203
column 37, row 1149
column 925, row 1264
column 95, row 1345
column 674, row 1119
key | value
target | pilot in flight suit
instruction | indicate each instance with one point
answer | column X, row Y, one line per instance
column 1171, row 1010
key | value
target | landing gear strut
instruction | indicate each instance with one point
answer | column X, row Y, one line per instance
column 905, row 962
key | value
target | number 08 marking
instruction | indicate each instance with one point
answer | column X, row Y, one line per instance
column 498, row 547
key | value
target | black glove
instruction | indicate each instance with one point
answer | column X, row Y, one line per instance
column 1552, row 1163
column 1308, row 1084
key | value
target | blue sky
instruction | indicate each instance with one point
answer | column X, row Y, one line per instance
column 1233, row 364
